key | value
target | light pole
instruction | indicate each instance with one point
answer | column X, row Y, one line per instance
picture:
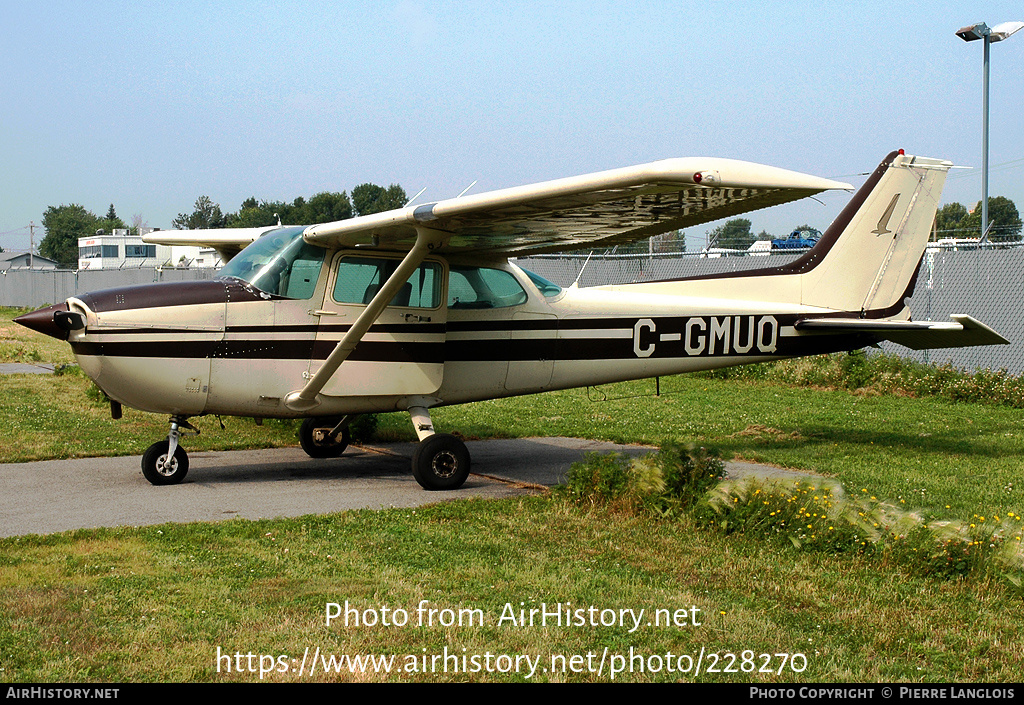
column 989, row 35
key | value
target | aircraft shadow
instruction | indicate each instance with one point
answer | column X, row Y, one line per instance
column 354, row 464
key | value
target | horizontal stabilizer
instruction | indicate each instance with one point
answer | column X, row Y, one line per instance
column 962, row 331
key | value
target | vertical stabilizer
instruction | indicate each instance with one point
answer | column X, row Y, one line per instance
column 869, row 255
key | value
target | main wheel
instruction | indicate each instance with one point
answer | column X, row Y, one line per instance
column 161, row 470
column 441, row 462
column 322, row 448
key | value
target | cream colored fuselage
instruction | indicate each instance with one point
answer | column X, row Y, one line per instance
column 242, row 357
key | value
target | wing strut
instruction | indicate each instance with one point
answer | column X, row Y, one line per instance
column 308, row 397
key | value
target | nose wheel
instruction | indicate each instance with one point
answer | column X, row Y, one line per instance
column 162, row 467
column 166, row 462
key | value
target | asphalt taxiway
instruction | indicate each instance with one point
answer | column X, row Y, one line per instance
column 58, row 495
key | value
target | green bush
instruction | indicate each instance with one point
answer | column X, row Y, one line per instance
column 688, row 472
column 667, row 482
column 363, row 428
column 599, row 479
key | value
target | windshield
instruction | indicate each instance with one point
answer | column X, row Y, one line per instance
column 547, row 289
column 279, row 262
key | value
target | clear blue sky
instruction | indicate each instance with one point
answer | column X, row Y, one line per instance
column 150, row 105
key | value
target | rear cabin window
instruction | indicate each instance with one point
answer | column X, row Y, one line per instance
column 480, row 287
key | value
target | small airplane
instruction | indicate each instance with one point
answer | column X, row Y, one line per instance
column 421, row 306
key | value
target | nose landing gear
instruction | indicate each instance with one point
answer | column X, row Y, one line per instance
column 166, row 462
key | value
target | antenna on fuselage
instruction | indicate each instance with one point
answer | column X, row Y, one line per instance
column 576, row 284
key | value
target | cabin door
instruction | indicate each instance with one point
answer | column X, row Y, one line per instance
column 403, row 351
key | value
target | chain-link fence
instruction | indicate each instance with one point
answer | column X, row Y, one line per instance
column 984, row 283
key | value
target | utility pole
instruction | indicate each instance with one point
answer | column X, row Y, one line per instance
column 31, row 243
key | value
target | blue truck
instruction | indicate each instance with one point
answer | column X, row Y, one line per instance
column 799, row 239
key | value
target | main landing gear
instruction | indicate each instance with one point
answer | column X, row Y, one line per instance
column 325, row 436
column 441, row 461
column 166, row 462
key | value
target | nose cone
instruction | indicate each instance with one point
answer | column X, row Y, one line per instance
column 55, row 321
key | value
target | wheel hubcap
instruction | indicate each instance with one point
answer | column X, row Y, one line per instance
column 445, row 464
column 166, row 466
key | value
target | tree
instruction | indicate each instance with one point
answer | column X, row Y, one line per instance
column 111, row 222
column 672, row 241
column 734, row 235
column 327, row 207
column 206, row 214
column 64, row 225
column 138, row 223
column 950, row 221
column 1003, row 219
column 953, row 220
column 371, row 198
column 257, row 215
column 323, row 207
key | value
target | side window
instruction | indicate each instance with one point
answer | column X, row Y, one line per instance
column 360, row 278
column 479, row 287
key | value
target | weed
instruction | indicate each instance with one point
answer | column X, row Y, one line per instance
column 602, row 479
column 812, row 517
column 688, row 473
column 667, row 482
column 96, row 395
column 886, row 374
column 363, row 428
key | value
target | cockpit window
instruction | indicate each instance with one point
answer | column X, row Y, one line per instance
column 482, row 287
column 360, row 278
column 280, row 262
column 548, row 289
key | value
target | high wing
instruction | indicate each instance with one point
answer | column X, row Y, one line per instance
column 228, row 242
column 594, row 210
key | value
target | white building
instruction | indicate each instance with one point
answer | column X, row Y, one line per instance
column 120, row 250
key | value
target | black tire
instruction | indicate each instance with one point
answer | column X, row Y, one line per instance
column 153, row 464
column 441, row 462
column 322, row 450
